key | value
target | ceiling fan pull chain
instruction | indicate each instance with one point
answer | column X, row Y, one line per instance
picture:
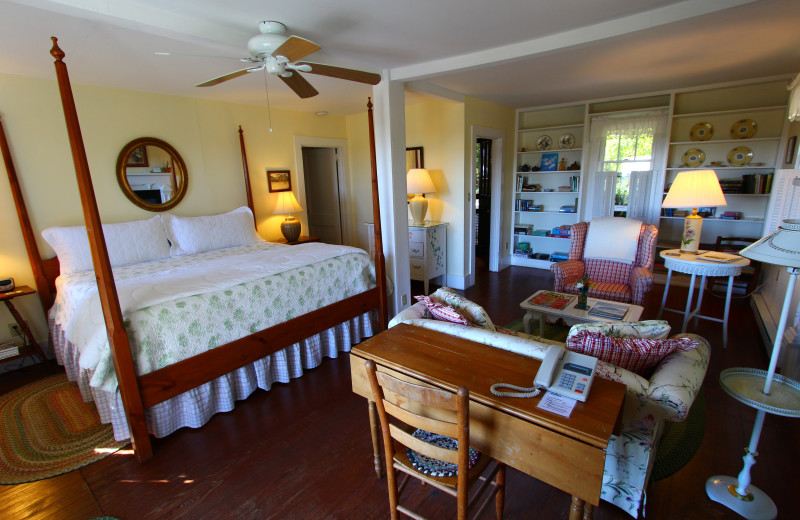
column 269, row 110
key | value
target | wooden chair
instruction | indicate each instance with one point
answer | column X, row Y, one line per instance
column 750, row 274
column 414, row 407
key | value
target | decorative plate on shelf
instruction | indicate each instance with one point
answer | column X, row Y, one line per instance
column 744, row 129
column 702, row 131
column 544, row 143
column 693, row 157
column 566, row 141
column 740, row 156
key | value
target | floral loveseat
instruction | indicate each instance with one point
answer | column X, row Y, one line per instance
column 667, row 395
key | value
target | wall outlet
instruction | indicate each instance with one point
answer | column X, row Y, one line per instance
column 404, row 300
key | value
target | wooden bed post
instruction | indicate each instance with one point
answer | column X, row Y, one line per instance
column 39, row 278
column 247, row 177
column 380, row 261
column 117, row 336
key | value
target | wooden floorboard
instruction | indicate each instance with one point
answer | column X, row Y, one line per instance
column 302, row 450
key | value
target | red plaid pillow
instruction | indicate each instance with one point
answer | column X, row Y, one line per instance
column 639, row 355
column 442, row 311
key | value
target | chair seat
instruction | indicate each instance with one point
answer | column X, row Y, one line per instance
column 616, row 292
column 403, row 464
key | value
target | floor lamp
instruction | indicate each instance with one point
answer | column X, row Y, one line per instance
column 767, row 392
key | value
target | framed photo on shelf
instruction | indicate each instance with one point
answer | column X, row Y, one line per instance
column 791, row 145
column 549, row 162
column 137, row 157
column 279, row 180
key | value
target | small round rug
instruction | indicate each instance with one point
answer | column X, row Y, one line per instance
column 46, row 429
column 680, row 440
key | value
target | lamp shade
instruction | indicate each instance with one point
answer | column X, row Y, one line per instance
column 781, row 247
column 418, row 180
column 286, row 204
column 693, row 189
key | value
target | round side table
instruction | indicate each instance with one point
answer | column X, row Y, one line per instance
column 693, row 265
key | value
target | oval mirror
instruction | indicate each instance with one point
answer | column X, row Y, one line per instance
column 152, row 174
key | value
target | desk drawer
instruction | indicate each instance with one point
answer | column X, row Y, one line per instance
column 416, row 249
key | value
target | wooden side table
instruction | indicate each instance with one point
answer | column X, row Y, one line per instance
column 33, row 347
column 300, row 240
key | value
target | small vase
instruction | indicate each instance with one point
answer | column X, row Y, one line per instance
column 583, row 297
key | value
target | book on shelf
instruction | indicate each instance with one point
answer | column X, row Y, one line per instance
column 551, row 299
column 609, row 310
column 716, row 256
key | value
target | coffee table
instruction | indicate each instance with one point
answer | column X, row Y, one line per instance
column 570, row 314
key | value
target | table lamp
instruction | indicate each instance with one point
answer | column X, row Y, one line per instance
column 694, row 189
column 418, row 182
column 287, row 205
column 764, row 391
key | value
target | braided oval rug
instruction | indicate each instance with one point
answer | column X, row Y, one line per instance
column 46, row 430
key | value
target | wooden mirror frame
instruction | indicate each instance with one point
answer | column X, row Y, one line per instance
column 181, row 175
column 415, row 158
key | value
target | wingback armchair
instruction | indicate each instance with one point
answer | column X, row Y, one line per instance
column 611, row 280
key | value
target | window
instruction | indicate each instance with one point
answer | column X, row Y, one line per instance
column 626, row 153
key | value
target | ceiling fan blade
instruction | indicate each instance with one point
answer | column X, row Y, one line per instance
column 300, row 86
column 342, row 73
column 296, row 48
column 226, row 77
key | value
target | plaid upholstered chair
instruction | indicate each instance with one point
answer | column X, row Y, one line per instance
column 612, row 280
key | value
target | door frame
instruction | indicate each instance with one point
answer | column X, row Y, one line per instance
column 341, row 164
column 497, row 136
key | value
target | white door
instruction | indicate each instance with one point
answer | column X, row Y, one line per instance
column 322, row 194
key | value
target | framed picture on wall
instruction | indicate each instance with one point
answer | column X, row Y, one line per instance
column 137, row 157
column 790, row 148
column 279, row 180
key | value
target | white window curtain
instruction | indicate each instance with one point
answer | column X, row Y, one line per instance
column 601, row 128
column 794, row 100
column 640, row 195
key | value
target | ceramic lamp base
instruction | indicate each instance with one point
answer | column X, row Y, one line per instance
column 690, row 240
column 419, row 208
column 291, row 229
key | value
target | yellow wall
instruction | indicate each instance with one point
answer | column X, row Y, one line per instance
column 205, row 133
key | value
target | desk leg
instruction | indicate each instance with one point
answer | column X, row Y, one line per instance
column 725, row 316
column 27, row 332
column 688, row 311
column 664, row 298
column 374, row 428
column 576, row 510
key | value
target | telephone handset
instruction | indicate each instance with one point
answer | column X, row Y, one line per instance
column 562, row 372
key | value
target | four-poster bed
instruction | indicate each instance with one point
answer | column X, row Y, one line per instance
column 138, row 393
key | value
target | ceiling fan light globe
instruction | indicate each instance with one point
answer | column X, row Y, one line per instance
column 275, row 67
column 265, row 44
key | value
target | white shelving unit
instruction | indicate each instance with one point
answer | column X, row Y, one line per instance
column 724, row 109
column 534, row 127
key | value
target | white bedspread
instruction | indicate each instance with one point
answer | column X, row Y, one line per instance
column 77, row 310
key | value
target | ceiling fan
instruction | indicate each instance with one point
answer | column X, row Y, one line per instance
column 278, row 55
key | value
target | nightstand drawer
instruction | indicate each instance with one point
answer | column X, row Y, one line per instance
column 416, row 235
column 416, row 249
column 417, row 269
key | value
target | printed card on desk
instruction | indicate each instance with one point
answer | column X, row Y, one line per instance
column 557, row 404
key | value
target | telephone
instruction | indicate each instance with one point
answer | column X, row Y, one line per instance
column 562, row 372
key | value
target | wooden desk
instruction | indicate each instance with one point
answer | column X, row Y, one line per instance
column 568, row 453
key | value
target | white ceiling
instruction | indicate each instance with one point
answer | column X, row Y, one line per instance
column 517, row 53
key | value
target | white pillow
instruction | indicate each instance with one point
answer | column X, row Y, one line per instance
column 613, row 238
column 190, row 235
column 127, row 243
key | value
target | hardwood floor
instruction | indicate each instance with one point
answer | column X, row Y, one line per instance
column 303, row 450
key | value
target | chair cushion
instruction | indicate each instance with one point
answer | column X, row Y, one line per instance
column 442, row 311
column 639, row 355
column 616, row 292
column 613, row 238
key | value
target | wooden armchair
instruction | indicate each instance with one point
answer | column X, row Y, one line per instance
column 616, row 281
column 422, row 416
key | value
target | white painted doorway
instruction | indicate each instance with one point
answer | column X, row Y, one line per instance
column 497, row 137
column 322, row 188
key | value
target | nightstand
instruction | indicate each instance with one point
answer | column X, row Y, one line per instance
column 32, row 347
column 300, row 240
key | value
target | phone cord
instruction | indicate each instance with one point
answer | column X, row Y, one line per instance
column 523, row 392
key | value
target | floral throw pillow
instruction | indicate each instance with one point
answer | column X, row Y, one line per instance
column 650, row 329
column 639, row 355
column 474, row 312
column 442, row 311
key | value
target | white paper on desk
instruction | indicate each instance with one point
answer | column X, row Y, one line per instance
column 557, row 404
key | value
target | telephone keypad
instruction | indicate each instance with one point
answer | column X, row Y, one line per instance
column 567, row 381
